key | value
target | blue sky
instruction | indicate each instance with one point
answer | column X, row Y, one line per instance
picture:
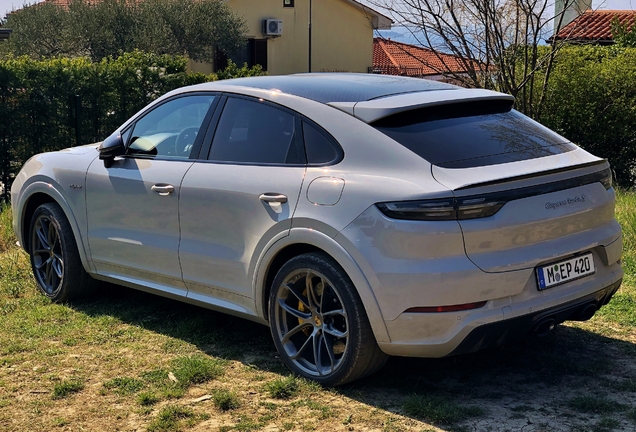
column 403, row 34
column 8, row 5
column 596, row 4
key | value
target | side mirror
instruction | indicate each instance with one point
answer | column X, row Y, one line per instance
column 111, row 147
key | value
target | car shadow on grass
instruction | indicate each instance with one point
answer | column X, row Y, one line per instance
column 532, row 379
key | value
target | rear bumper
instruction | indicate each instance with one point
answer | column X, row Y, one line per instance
column 499, row 333
column 499, row 321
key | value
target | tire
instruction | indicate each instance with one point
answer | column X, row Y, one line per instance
column 318, row 322
column 55, row 260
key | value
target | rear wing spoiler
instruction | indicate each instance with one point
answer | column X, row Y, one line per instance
column 376, row 109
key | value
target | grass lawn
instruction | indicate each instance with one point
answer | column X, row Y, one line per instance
column 130, row 361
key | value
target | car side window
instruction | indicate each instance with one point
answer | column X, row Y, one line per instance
column 170, row 129
column 251, row 131
column 319, row 147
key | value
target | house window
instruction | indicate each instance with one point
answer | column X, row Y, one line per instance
column 288, row 3
column 254, row 52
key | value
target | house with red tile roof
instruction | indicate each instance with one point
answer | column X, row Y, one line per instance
column 595, row 26
column 291, row 46
column 398, row 58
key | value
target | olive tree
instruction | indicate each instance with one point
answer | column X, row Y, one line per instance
column 39, row 31
column 196, row 28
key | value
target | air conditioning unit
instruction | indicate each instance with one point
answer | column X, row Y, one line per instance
column 272, row 27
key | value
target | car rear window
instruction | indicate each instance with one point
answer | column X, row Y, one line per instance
column 472, row 134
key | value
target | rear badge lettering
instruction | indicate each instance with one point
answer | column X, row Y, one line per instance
column 556, row 204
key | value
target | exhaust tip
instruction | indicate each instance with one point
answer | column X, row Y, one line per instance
column 544, row 327
column 585, row 313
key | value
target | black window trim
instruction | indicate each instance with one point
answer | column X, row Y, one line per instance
column 196, row 148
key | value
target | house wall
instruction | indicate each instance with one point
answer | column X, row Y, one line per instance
column 342, row 36
column 194, row 66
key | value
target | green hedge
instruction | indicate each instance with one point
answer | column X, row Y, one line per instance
column 53, row 104
column 58, row 103
column 592, row 101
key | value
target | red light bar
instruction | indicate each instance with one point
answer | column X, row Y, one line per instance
column 451, row 308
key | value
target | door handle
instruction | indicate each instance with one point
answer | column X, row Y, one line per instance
column 273, row 198
column 163, row 189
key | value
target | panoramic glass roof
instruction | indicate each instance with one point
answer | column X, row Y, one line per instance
column 341, row 87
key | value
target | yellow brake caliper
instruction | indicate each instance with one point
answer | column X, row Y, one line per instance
column 302, row 308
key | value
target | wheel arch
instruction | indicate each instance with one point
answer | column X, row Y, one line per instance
column 33, row 197
column 305, row 240
column 32, row 203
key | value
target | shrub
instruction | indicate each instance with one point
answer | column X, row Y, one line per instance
column 233, row 71
column 592, row 101
column 53, row 104
column 58, row 103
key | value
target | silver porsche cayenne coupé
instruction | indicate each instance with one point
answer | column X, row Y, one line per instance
column 359, row 216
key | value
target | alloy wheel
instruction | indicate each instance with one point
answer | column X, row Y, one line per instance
column 46, row 249
column 311, row 322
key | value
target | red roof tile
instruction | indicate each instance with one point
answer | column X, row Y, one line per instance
column 595, row 26
column 397, row 58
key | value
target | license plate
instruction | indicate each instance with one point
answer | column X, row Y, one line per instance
column 565, row 271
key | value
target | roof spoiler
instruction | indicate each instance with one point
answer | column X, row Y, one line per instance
column 376, row 109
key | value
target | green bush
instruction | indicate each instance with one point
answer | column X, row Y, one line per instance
column 53, row 104
column 233, row 71
column 58, row 103
column 591, row 100
column 199, row 29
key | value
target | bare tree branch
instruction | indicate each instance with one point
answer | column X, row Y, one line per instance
column 499, row 43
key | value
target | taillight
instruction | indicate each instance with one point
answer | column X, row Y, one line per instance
column 444, row 209
column 481, row 206
column 606, row 179
column 474, row 208
column 420, row 210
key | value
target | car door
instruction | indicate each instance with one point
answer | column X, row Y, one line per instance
column 132, row 207
column 238, row 199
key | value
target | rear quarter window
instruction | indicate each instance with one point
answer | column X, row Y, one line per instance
column 472, row 134
column 319, row 147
